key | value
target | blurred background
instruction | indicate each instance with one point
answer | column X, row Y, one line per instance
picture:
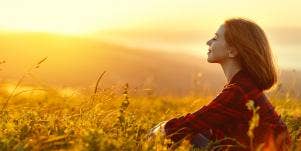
column 155, row 45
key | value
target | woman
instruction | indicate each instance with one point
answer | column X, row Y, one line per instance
column 242, row 49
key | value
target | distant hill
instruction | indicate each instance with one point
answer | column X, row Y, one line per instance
column 77, row 62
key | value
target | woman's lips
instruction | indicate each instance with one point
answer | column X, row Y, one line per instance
column 209, row 51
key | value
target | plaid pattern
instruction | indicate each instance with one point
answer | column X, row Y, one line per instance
column 227, row 115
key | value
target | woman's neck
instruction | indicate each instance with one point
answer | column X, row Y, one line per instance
column 230, row 68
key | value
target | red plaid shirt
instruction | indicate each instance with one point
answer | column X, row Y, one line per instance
column 228, row 116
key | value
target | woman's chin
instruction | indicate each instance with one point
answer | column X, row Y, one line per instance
column 210, row 60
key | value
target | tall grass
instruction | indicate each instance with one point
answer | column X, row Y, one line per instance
column 108, row 119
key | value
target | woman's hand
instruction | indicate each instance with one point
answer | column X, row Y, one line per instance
column 157, row 130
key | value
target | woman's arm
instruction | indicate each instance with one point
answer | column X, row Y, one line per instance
column 225, row 107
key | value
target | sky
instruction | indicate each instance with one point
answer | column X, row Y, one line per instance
column 177, row 25
column 91, row 15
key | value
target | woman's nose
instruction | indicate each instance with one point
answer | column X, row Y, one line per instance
column 209, row 42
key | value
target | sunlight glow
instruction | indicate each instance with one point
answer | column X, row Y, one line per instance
column 69, row 16
column 38, row 28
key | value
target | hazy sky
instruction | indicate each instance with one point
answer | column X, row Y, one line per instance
column 91, row 15
column 180, row 16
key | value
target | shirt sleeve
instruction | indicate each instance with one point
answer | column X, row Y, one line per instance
column 224, row 108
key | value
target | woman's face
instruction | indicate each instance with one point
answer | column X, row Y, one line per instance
column 218, row 51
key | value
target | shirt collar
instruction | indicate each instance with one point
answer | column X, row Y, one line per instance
column 240, row 77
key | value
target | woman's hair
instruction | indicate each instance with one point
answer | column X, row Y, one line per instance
column 254, row 52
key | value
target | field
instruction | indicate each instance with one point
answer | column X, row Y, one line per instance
column 114, row 118
column 101, row 75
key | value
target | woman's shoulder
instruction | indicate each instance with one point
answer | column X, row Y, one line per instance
column 240, row 92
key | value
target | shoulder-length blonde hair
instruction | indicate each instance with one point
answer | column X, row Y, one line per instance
column 254, row 52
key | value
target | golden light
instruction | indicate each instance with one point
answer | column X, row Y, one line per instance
column 59, row 16
column 68, row 92
column 175, row 26
column 69, row 16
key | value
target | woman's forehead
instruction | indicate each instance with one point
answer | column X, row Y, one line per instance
column 220, row 31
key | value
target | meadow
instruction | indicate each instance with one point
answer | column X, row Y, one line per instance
column 112, row 118
column 110, row 115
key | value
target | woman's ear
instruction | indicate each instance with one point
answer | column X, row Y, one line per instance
column 232, row 52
